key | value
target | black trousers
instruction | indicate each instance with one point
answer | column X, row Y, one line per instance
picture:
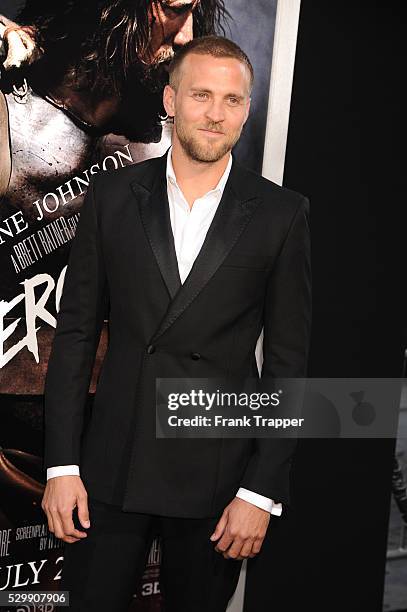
column 101, row 571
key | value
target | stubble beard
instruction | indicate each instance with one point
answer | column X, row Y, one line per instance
column 204, row 152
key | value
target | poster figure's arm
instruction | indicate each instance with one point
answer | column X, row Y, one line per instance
column 5, row 147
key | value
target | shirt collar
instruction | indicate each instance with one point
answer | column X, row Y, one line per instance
column 222, row 181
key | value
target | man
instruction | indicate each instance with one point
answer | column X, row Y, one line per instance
column 193, row 254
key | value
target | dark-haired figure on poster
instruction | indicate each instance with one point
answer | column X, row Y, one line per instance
column 192, row 254
column 80, row 84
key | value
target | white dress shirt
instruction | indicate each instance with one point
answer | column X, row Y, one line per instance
column 189, row 227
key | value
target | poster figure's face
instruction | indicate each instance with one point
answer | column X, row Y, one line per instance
column 171, row 24
column 171, row 27
column 210, row 105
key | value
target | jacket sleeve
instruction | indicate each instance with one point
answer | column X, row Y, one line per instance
column 79, row 322
column 287, row 325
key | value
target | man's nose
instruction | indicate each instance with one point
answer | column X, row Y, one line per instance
column 215, row 111
column 185, row 33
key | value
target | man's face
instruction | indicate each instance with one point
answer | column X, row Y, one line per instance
column 171, row 24
column 210, row 105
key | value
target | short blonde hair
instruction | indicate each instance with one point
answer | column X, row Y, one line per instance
column 217, row 46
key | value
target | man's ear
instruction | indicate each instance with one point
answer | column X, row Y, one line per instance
column 169, row 100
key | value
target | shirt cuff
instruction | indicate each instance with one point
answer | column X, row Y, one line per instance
column 260, row 501
column 62, row 470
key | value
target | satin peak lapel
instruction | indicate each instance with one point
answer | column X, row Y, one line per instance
column 152, row 199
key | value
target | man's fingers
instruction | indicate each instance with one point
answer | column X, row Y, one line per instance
column 224, row 543
column 83, row 511
column 68, row 525
column 58, row 530
column 257, row 544
column 220, row 527
column 250, row 549
column 246, row 550
column 234, row 550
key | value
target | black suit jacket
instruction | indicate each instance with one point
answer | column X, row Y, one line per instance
column 253, row 270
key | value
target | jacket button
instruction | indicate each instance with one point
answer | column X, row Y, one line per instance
column 150, row 349
column 195, row 356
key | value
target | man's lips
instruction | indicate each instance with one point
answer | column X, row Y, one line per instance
column 210, row 131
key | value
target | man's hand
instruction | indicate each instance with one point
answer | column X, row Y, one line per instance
column 61, row 495
column 242, row 527
column 21, row 45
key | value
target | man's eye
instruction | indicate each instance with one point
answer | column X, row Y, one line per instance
column 174, row 12
column 234, row 101
column 200, row 95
